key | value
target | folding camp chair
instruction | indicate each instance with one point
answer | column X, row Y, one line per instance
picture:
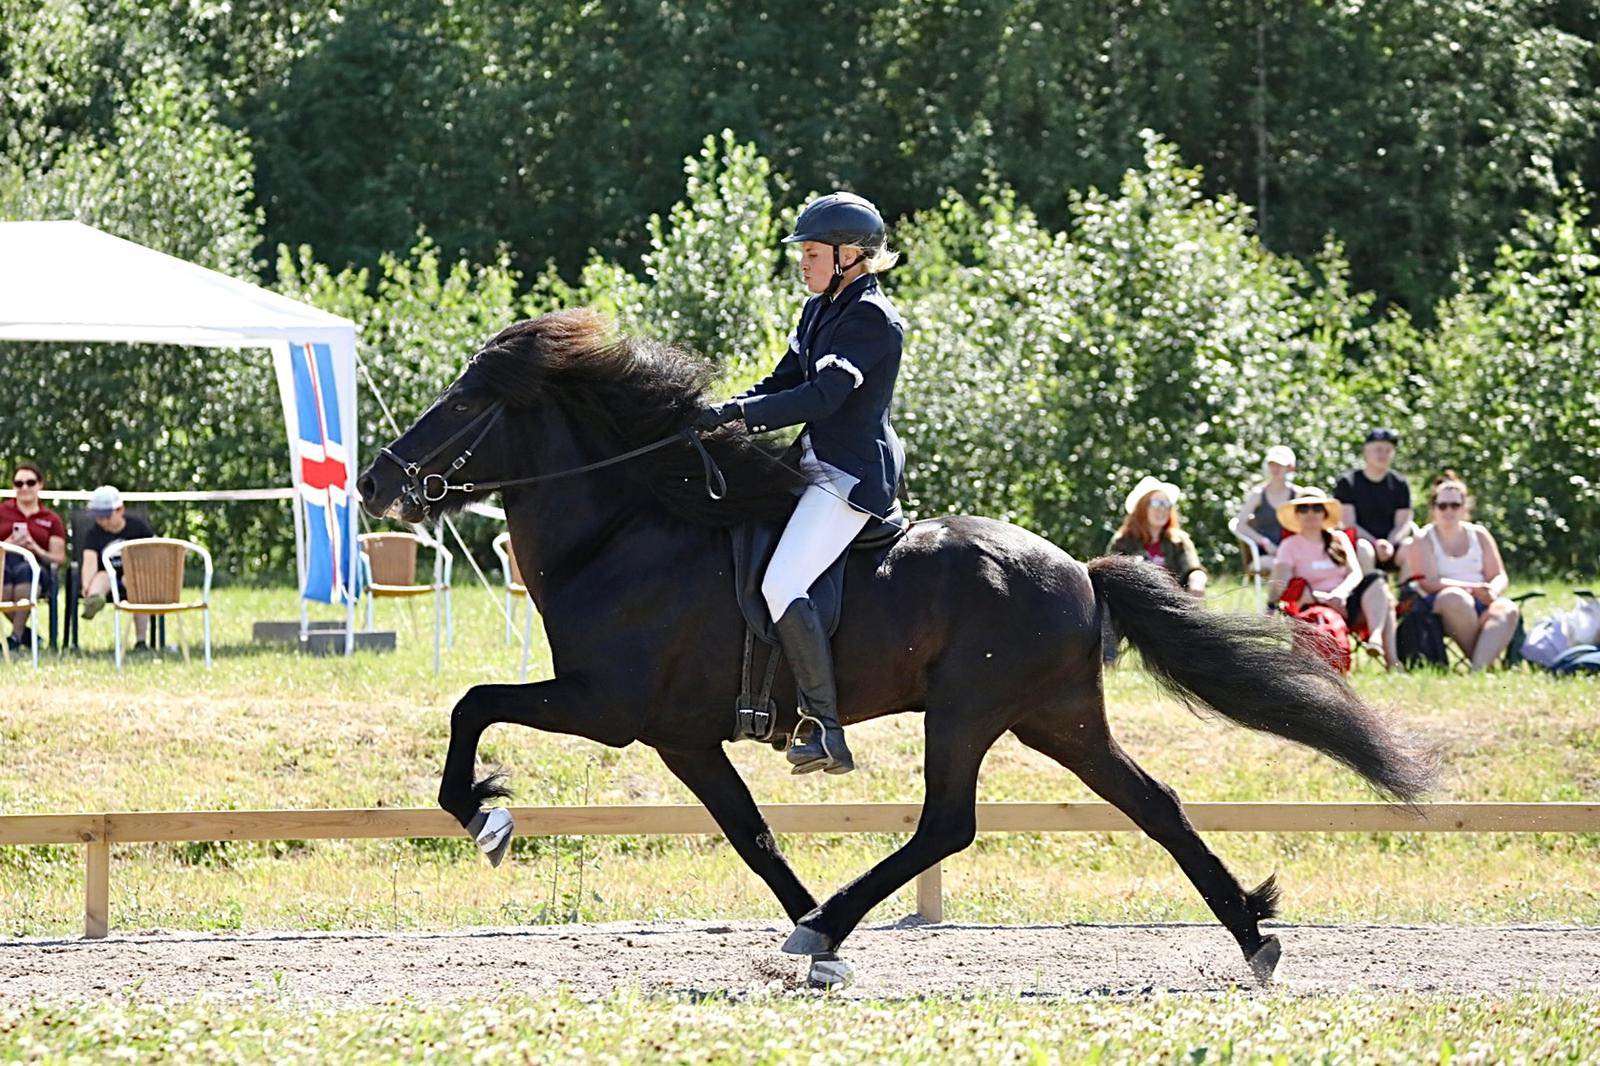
column 515, row 588
column 31, row 603
column 389, row 571
column 152, row 584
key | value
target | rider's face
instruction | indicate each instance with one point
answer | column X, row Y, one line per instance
column 816, row 265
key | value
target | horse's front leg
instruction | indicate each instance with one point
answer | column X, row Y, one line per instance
column 712, row 778
column 955, row 749
column 559, row 705
column 714, row 781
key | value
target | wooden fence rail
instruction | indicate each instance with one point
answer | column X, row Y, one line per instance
column 97, row 832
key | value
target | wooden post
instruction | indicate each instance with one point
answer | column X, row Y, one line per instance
column 97, row 885
column 930, row 893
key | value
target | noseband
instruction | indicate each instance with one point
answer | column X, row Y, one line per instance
column 424, row 490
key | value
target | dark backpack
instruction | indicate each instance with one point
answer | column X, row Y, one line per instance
column 1419, row 638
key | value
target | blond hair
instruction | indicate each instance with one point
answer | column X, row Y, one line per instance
column 877, row 262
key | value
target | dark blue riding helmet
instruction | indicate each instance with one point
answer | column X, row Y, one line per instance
column 840, row 218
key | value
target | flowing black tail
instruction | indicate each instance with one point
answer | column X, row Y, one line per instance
column 1244, row 668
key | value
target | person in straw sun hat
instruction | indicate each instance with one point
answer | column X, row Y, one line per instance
column 1320, row 555
column 1151, row 530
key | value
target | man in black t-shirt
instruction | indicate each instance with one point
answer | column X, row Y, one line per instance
column 1377, row 503
column 112, row 525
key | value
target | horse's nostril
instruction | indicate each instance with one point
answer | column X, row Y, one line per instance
column 366, row 486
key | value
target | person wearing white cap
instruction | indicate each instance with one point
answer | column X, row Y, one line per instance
column 1152, row 531
column 1257, row 519
column 112, row 525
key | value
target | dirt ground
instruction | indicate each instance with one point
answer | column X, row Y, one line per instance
column 739, row 958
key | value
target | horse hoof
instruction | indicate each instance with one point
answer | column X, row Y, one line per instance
column 1265, row 960
column 807, row 941
column 491, row 831
column 829, row 971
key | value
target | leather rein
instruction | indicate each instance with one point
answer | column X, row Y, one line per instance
column 424, row 490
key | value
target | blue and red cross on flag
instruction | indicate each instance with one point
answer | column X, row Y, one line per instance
column 322, row 472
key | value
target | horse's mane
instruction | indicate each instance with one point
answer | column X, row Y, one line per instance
column 627, row 392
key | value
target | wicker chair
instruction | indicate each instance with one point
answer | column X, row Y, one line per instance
column 389, row 571
column 152, row 584
column 515, row 587
column 32, row 602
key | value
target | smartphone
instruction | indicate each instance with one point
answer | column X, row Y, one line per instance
column 18, row 529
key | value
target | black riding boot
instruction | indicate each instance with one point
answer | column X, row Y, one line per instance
column 805, row 642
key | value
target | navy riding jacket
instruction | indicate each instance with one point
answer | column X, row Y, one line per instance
column 838, row 378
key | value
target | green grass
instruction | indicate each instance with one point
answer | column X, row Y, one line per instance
column 269, row 729
column 1238, row 1027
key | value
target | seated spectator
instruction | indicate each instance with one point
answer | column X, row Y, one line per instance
column 1376, row 504
column 1462, row 576
column 112, row 525
column 1153, row 532
column 1257, row 520
column 1319, row 555
column 27, row 523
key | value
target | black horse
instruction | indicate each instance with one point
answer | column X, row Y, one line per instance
column 980, row 626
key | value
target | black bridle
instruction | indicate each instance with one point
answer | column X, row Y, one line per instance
column 424, row 490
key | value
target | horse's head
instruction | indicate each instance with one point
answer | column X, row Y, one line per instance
column 549, row 395
column 431, row 467
column 462, row 440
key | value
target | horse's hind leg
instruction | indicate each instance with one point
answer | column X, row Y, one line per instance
column 1082, row 742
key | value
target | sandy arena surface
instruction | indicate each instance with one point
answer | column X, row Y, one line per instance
column 736, row 958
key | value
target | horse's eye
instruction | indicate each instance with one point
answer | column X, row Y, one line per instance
column 461, row 407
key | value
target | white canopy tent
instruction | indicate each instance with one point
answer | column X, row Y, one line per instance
column 64, row 281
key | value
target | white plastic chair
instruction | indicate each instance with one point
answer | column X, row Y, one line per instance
column 32, row 602
column 152, row 584
column 389, row 571
column 1252, row 567
column 515, row 587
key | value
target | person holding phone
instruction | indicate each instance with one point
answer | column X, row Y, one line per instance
column 30, row 525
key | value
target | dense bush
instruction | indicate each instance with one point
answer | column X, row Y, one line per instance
column 1414, row 130
column 1047, row 368
column 1047, row 371
column 95, row 129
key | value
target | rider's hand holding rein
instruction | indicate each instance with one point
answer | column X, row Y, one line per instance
column 837, row 378
column 714, row 415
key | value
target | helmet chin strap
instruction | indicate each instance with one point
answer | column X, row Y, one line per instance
column 839, row 270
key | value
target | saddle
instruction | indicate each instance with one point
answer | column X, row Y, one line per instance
column 753, row 544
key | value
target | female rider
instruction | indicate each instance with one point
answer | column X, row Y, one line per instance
column 838, row 379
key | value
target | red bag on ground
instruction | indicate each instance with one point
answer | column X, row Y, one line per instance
column 1325, row 633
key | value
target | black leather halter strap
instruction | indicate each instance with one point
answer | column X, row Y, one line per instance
column 427, row 489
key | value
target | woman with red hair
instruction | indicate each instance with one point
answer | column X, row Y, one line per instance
column 1153, row 532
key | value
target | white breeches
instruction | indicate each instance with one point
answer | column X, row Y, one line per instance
column 822, row 526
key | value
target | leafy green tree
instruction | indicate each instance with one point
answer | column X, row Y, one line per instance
column 140, row 153
column 1505, row 390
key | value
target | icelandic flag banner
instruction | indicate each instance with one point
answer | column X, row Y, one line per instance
column 322, row 471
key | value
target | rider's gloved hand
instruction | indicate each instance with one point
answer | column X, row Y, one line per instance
column 718, row 414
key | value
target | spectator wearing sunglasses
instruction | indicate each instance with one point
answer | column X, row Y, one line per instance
column 1152, row 531
column 30, row 525
column 1462, row 576
column 1318, row 553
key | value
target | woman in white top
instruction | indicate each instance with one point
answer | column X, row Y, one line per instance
column 1462, row 574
